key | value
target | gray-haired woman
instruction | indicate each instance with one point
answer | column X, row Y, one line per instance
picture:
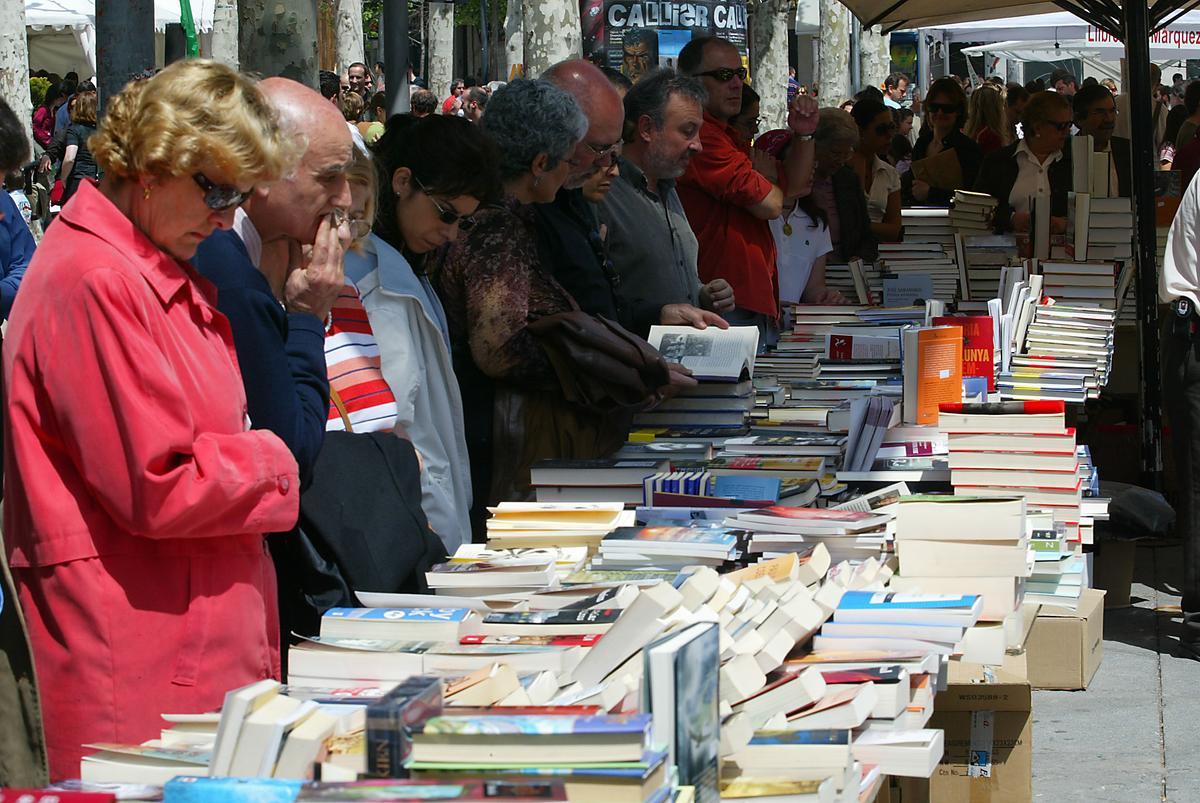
column 492, row 284
column 837, row 190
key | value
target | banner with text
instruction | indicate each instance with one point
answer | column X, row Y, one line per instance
column 635, row 36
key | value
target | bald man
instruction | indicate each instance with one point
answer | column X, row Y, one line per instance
column 279, row 269
column 569, row 241
column 278, row 272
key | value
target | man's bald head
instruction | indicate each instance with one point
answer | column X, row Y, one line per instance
column 293, row 207
column 601, row 103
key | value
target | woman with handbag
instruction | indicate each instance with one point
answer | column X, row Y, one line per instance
column 494, row 287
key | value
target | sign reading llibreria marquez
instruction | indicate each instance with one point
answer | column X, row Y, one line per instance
column 637, row 36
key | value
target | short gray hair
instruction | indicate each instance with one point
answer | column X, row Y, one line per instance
column 653, row 92
column 836, row 127
column 527, row 117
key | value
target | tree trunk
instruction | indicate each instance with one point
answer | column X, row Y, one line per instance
column 124, row 43
column 347, row 25
column 833, row 66
column 279, row 37
column 769, row 54
column 514, row 40
column 875, row 56
column 225, row 33
column 441, row 48
column 14, row 66
column 552, row 33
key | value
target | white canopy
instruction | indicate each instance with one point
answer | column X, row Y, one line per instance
column 1063, row 26
column 74, row 14
column 62, row 33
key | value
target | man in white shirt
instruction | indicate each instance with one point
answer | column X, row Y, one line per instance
column 1179, row 285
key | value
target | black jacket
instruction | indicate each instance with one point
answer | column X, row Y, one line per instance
column 969, row 160
column 999, row 173
column 361, row 529
column 854, row 220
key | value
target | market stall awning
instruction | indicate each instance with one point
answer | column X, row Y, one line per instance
column 75, row 14
column 1103, row 14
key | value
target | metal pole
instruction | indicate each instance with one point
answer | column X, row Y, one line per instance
column 395, row 54
column 483, row 33
column 1137, row 53
column 124, row 43
column 855, row 56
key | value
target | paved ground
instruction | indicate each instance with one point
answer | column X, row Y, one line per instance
column 1131, row 737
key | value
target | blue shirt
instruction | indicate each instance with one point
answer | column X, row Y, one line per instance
column 281, row 354
column 16, row 249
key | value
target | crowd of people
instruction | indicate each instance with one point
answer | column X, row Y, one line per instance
column 266, row 356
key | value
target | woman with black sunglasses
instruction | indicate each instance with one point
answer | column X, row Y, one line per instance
column 880, row 181
column 136, row 494
column 432, row 173
column 1038, row 166
column 945, row 113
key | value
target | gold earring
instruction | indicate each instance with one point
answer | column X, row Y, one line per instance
column 146, row 194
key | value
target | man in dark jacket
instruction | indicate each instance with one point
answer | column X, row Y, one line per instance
column 278, row 311
column 1095, row 112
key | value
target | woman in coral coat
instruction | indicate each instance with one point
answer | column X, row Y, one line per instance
column 136, row 494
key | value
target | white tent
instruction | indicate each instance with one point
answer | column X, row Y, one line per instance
column 62, row 33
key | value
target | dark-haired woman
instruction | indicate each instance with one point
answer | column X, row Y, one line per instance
column 433, row 173
column 43, row 117
column 945, row 114
column 880, row 181
column 802, row 239
column 78, row 164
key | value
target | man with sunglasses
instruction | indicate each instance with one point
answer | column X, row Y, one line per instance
column 1095, row 112
column 730, row 197
column 569, row 241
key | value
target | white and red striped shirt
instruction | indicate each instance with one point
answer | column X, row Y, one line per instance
column 352, row 358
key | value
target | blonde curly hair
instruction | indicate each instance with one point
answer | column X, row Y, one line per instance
column 193, row 112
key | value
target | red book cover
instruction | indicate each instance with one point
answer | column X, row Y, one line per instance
column 979, row 345
column 50, row 796
column 1004, row 408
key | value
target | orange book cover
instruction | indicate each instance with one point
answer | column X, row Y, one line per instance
column 932, row 371
column 979, row 348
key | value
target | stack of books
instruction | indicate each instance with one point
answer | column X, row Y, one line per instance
column 858, row 281
column 964, row 545
column 919, row 262
column 845, row 534
column 971, row 213
column 892, row 621
column 1066, row 355
column 699, row 544
column 521, row 525
column 1081, row 283
column 599, row 480
column 927, row 224
column 983, row 256
column 722, row 361
column 1016, row 449
column 1098, row 228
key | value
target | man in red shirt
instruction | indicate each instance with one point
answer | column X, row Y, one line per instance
column 729, row 195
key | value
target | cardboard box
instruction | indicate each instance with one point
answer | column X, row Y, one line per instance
column 986, row 714
column 1066, row 646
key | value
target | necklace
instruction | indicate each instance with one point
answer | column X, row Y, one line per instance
column 787, row 223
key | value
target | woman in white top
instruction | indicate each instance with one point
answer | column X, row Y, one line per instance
column 802, row 239
column 880, row 181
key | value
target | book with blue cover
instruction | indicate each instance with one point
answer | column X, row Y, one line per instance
column 400, row 614
column 801, row 737
column 699, row 537
column 891, row 607
column 230, row 790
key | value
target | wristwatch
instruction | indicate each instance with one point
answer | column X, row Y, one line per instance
column 802, row 137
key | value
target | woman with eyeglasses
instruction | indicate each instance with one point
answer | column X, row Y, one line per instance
column 431, row 175
column 879, row 180
column 493, row 282
column 945, row 113
column 1038, row 166
column 136, row 494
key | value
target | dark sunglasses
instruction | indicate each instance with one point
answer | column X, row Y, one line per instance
column 723, row 74
column 1060, row 126
column 446, row 214
column 219, row 197
column 947, row 108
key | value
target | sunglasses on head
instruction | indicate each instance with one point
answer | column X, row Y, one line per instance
column 945, row 108
column 219, row 197
column 723, row 74
column 446, row 214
